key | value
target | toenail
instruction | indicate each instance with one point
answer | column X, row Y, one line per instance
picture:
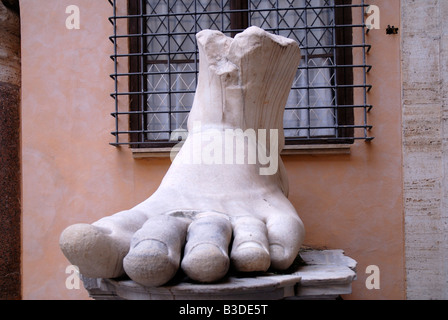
column 250, row 256
column 206, row 262
column 152, row 246
column 251, row 245
column 206, row 246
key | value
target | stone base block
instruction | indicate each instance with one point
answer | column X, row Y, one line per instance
column 318, row 274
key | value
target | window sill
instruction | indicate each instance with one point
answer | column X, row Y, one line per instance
column 316, row 149
column 321, row 149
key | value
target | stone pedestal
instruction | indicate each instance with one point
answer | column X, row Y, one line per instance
column 321, row 274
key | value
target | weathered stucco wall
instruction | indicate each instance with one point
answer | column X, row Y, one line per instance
column 71, row 174
column 425, row 149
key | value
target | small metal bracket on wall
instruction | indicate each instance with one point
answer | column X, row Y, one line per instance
column 391, row 30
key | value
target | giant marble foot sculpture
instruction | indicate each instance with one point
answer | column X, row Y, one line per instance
column 216, row 194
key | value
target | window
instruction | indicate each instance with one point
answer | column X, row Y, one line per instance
column 162, row 62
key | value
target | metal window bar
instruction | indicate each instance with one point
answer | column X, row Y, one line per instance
column 349, row 118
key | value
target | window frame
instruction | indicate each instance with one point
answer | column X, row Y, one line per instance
column 344, row 68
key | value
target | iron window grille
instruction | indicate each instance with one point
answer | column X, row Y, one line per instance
column 156, row 65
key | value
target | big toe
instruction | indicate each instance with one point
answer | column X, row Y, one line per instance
column 93, row 251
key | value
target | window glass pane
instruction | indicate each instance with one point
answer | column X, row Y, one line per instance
column 172, row 88
column 163, row 64
column 171, row 60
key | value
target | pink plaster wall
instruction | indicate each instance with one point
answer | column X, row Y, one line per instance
column 71, row 174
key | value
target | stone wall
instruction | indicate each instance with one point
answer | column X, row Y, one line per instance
column 425, row 153
column 10, row 178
